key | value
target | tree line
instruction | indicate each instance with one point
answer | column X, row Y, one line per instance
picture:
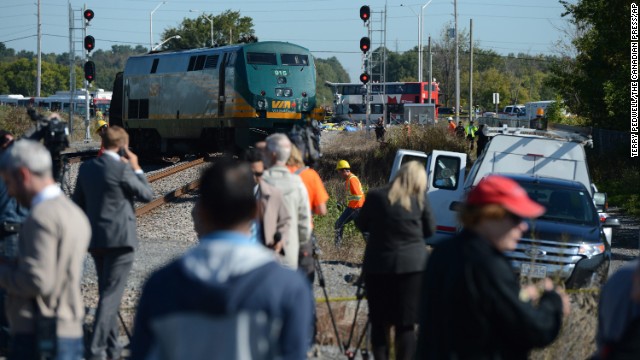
column 591, row 77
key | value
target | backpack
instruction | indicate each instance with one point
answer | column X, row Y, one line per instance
column 307, row 140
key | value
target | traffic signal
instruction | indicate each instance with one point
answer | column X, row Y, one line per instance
column 364, row 78
column 89, row 42
column 365, row 13
column 365, row 44
column 88, row 15
column 89, row 71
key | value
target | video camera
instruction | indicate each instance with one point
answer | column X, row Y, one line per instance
column 54, row 134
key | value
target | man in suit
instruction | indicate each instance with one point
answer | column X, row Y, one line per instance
column 44, row 279
column 105, row 190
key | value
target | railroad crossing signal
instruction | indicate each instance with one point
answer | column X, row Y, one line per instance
column 364, row 78
column 365, row 44
column 365, row 13
column 89, row 71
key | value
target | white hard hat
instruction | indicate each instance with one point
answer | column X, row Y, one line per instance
column 450, row 118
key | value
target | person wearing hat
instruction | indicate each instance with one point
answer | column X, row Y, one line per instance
column 472, row 303
column 355, row 199
column 101, row 129
column 451, row 126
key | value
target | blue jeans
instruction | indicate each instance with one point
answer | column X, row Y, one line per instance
column 24, row 347
column 347, row 215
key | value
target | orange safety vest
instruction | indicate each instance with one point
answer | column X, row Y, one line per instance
column 354, row 189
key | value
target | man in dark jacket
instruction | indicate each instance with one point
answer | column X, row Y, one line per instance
column 471, row 303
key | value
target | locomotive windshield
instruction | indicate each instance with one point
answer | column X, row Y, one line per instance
column 255, row 58
column 294, row 59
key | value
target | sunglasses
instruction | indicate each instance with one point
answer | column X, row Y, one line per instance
column 515, row 218
column 257, row 174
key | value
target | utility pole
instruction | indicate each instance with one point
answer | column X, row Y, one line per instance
column 430, row 80
column 455, row 16
column 471, row 112
column 39, row 74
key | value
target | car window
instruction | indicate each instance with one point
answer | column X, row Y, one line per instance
column 563, row 204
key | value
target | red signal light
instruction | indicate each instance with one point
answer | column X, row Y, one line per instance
column 364, row 78
column 88, row 14
column 365, row 13
column 89, row 42
column 89, row 71
column 365, row 44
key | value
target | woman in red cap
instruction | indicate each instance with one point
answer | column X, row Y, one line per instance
column 473, row 306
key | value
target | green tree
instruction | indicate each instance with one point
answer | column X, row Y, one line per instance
column 228, row 28
column 330, row 70
column 596, row 84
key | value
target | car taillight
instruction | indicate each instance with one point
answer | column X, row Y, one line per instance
column 603, row 218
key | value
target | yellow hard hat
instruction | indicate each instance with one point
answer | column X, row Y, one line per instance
column 343, row 164
column 101, row 124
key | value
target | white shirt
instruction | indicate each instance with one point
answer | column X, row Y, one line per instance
column 47, row 193
column 115, row 156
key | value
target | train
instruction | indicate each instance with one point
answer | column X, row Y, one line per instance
column 213, row 99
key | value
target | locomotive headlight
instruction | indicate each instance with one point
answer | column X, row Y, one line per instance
column 261, row 104
column 287, row 92
column 305, row 106
column 279, row 92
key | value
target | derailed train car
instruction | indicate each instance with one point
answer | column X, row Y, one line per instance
column 213, row 99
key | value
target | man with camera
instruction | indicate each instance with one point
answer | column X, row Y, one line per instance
column 106, row 189
column 44, row 301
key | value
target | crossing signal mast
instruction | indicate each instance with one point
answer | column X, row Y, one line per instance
column 365, row 47
column 89, row 68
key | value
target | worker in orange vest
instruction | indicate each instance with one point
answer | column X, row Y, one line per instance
column 355, row 199
column 451, row 126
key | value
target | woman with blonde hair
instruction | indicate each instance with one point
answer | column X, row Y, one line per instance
column 398, row 219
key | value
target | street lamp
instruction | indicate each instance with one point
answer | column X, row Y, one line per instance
column 420, row 22
column 164, row 42
column 208, row 18
column 151, row 25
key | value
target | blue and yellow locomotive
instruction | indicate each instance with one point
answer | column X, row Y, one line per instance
column 213, row 99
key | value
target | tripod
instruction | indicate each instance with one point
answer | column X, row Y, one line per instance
column 360, row 294
column 322, row 283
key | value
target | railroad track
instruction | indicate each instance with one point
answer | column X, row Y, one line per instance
column 174, row 194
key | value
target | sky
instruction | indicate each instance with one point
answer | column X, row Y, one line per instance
column 326, row 27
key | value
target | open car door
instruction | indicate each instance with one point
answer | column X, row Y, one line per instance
column 445, row 173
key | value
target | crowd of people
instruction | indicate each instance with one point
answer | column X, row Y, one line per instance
column 246, row 289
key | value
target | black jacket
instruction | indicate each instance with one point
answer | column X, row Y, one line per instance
column 396, row 236
column 472, row 308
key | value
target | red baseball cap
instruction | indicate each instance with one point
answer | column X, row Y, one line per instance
column 495, row 189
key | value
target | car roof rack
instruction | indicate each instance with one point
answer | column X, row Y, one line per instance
column 554, row 131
